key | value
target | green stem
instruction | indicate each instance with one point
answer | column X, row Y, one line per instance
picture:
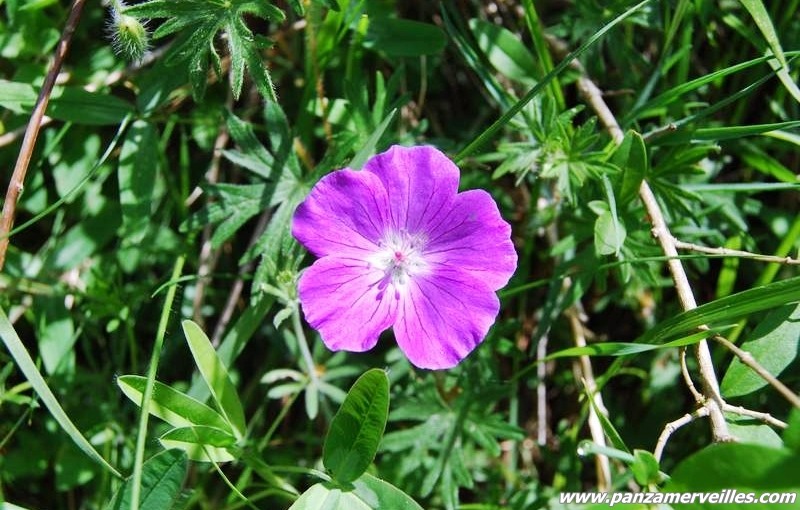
column 147, row 396
column 306, row 352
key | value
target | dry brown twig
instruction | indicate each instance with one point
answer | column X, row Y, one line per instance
column 710, row 400
column 17, row 182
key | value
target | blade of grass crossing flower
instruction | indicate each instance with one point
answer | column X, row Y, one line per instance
column 26, row 364
column 213, row 371
column 369, row 146
column 147, row 396
column 489, row 132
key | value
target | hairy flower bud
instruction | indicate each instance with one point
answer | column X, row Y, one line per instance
column 129, row 36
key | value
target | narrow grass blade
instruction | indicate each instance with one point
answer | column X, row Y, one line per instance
column 32, row 374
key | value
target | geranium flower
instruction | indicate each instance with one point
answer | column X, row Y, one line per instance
column 400, row 247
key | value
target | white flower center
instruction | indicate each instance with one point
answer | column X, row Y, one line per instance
column 400, row 256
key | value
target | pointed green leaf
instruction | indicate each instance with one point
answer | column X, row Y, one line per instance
column 773, row 343
column 730, row 308
column 379, row 494
column 136, row 175
column 745, row 467
column 216, row 376
column 645, row 468
column 367, row 493
column 504, row 50
column 357, row 427
column 203, row 444
column 761, row 17
column 162, row 478
column 404, row 37
column 172, row 406
column 609, row 234
column 631, row 157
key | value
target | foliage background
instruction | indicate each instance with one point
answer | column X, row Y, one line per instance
column 200, row 150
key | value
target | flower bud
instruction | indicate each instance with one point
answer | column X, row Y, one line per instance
column 129, row 36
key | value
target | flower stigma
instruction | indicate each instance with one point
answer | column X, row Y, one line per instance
column 401, row 256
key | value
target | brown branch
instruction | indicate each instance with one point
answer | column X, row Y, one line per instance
column 672, row 426
column 708, row 377
column 32, row 132
column 602, row 462
column 727, row 252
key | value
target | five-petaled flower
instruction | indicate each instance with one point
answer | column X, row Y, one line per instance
column 400, row 247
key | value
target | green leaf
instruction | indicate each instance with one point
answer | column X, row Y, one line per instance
column 70, row 104
column 216, row 376
column 504, row 50
column 202, row 22
column 631, row 157
column 235, row 205
column 773, row 343
column 253, row 156
column 380, row 494
column 609, row 234
column 357, row 427
column 745, row 467
column 626, row 348
column 203, row 444
column 162, row 477
column 645, row 468
column 320, row 497
column 366, row 493
column 724, row 133
column 76, row 105
column 404, row 38
column 172, row 406
column 761, row 17
column 138, row 163
column 791, row 436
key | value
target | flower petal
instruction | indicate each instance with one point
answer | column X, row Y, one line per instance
column 443, row 316
column 345, row 301
column 475, row 238
column 422, row 182
column 345, row 214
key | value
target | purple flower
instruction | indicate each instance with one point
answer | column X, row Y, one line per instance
column 400, row 247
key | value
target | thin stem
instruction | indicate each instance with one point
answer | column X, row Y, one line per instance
column 303, row 343
column 32, row 131
column 726, row 252
column 672, row 426
column 687, row 378
column 602, row 463
column 747, row 358
column 147, row 395
column 765, row 417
